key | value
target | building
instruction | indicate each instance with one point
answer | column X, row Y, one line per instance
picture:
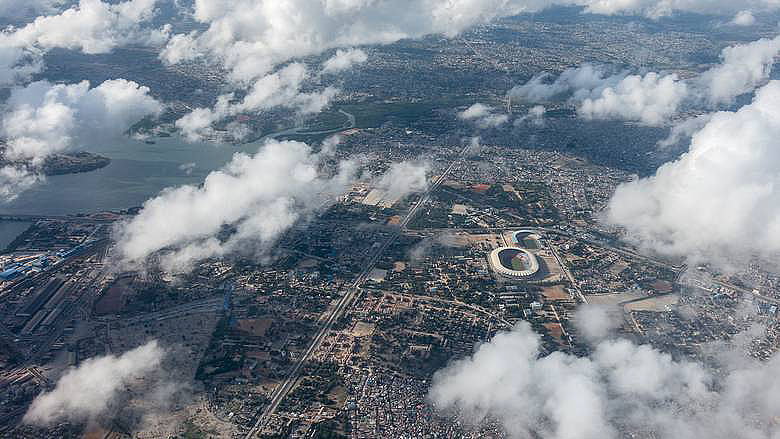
column 513, row 262
column 11, row 273
column 526, row 239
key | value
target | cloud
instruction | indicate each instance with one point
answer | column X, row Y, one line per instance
column 475, row 111
column 91, row 27
column 654, row 98
column 660, row 8
column 423, row 248
column 344, row 60
column 475, row 147
column 536, row 114
column 503, row 380
column 86, row 392
column 721, row 198
column 330, row 144
column 250, row 38
column 650, row 99
column 188, row 167
column 743, row 67
column 279, row 89
column 18, row 64
column 596, row 322
column 542, row 87
column 683, row 130
column 744, row 18
column 259, row 198
column 483, row 116
column 15, row 180
column 42, row 119
column 403, row 179
column 620, row 390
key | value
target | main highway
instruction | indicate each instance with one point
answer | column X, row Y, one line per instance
column 568, row 274
column 282, row 389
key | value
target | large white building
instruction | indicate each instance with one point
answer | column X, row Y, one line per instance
column 513, row 262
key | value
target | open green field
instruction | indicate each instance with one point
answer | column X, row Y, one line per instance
column 518, row 263
column 374, row 114
column 327, row 120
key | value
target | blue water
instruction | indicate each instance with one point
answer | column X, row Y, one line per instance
column 137, row 172
column 9, row 230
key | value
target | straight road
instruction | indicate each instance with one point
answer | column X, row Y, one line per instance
column 568, row 274
column 343, row 304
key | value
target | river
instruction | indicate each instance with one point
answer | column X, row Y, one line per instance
column 9, row 230
column 137, row 172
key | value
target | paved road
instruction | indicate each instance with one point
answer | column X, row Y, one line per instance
column 301, row 131
column 568, row 274
column 755, row 294
column 343, row 304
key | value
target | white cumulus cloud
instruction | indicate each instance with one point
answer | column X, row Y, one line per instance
column 259, row 197
column 251, row 37
column 91, row 26
column 279, row 89
column 86, row 392
column 654, row 98
column 744, row 18
column 42, row 119
column 650, row 99
column 15, row 180
column 596, row 322
column 743, row 67
column 620, row 390
column 543, row 87
column 483, row 116
column 722, row 197
column 344, row 60
column 403, row 179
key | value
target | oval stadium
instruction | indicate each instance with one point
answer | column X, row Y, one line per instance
column 513, row 262
column 527, row 239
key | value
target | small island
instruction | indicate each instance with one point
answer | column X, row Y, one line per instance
column 66, row 163
column 74, row 163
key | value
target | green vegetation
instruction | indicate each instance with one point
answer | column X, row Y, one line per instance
column 192, row 431
column 518, row 263
column 327, row 120
column 374, row 114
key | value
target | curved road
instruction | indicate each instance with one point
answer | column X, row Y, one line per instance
column 302, row 130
